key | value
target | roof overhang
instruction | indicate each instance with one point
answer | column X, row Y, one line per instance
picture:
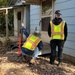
column 34, row 2
column 4, row 9
column 18, row 6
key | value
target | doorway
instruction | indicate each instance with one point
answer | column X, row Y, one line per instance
column 19, row 21
column 45, row 19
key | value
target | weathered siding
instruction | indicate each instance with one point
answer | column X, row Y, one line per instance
column 27, row 17
column 67, row 8
column 34, row 17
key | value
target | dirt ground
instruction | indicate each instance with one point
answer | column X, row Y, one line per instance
column 11, row 64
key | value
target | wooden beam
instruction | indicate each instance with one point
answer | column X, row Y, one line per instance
column 6, row 17
column 2, row 11
column 36, row 2
column 6, row 8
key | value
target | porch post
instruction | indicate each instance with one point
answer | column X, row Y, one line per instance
column 53, row 9
column 6, row 17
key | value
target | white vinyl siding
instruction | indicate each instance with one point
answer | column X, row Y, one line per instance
column 67, row 8
column 34, row 17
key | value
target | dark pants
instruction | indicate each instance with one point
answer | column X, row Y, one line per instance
column 54, row 44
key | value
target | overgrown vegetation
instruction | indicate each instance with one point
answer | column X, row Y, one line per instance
column 5, row 3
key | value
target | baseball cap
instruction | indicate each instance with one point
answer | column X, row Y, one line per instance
column 37, row 33
column 57, row 12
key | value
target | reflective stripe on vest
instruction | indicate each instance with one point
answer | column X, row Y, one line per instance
column 57, row 31
column 31, row 42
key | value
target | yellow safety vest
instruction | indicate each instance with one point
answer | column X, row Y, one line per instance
column 31, row 42
column 57, row 31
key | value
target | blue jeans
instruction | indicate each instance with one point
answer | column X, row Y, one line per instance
column 35, row 54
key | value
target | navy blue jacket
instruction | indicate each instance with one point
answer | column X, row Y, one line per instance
column 26, row 51
column 57, row 21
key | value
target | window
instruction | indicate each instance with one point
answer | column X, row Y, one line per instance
column 46, row 14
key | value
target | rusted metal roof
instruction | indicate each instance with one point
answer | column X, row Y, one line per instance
column 36, row 2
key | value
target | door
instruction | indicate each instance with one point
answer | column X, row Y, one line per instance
column 46, row 17
column 45, row 23
column 19, row 21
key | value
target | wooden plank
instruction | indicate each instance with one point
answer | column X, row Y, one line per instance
column 33, row 2
column 2, row 11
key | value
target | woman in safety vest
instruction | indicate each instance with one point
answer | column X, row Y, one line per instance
column 57, row 32
column 33, row 44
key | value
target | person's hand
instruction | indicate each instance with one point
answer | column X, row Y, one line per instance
column 22, row 24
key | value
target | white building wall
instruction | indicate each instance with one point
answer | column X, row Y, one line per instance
column 67, row 8
column 35, row 16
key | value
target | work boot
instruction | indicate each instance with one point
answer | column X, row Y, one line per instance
column 52, row 59
column 51, row 62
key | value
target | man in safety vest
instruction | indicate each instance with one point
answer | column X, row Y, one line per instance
column 33, row 44
column 57, row 32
